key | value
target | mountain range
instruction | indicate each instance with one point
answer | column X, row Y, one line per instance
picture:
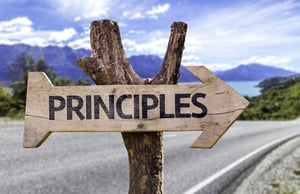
column 63, row 61
column 253, row 72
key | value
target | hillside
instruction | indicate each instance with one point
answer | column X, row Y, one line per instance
column 280, row 103
column 275, row 82
column 253, row 72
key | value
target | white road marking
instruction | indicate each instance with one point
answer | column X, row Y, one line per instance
column 215, row 176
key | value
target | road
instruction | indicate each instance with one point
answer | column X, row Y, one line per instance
column 97, row 162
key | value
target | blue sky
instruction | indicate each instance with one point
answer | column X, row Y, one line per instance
column 221, row 33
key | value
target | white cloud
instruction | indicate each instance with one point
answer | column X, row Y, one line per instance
column 35, row 41
column 80, row 43
column 194, row 60
column 61, row 36
column 77, row 18
column 19, row 24
column 280, row 61
column 151, row 13
column 82, row 9
column 159, row 9
column 156, row 47
column 156, row 43
column 139, row 32
column 225, row 32
column 219, row 67
column 20, row 30
column 137, row 15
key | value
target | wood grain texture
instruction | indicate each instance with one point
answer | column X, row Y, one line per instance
column 109, row 65
column 223, row 106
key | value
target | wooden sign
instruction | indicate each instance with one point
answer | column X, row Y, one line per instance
column 211, row 107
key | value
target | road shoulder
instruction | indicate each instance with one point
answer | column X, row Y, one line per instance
column 275, row 172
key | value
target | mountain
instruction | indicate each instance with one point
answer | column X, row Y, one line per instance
column 253, row 72
column 149, row 65
column 63, row 61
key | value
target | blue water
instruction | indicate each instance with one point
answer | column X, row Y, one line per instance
column 245, row 88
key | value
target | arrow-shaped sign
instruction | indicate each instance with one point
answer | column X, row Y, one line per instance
column 211, row 107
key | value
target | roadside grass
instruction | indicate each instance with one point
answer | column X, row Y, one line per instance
column 279, row 188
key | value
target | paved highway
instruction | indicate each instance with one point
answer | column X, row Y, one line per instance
column 97, row 162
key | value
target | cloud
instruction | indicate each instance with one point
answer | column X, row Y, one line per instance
column 281, row 61
column 77, row 9
column 19, row 24
column 61, row 36
column 155, row 47
column 156, row 43
column 194, row 60
column 83, row 42
column 225, row 32
column 159, row 9
column 21, row 30
column 137, row 15
column 219, row 67
column 151, row 13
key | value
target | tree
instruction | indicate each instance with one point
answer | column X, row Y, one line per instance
column 18, row 71
column 109, row 65
column 5, row 102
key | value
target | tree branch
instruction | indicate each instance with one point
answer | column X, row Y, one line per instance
column 109, row 65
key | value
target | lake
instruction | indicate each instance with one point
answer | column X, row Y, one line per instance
column 245, row 88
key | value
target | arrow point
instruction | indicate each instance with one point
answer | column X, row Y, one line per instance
column 205, row 140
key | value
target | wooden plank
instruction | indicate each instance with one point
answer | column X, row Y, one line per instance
column 210, row 107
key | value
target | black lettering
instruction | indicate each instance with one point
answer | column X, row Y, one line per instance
column 88, row 107
column 179, row 105
column 119, row 106
column 136, row 106
column 200, row 105
column 146, row 106
column 110, row 113
column 52, row 108
column 75, row 109
column 162, row 107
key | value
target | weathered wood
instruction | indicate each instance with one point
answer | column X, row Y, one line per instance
column 109, row 65
column 210, row 107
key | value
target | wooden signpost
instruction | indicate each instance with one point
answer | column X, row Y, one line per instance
column 210, row 107
column 139, row 108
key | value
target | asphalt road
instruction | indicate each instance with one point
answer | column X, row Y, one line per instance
column 97, row 162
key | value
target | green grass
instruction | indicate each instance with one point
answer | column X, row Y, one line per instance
column 281, row 103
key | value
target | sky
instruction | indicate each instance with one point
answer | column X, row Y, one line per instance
column 221, row 34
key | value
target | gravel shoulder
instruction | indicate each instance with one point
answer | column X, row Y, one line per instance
column 275, row 173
